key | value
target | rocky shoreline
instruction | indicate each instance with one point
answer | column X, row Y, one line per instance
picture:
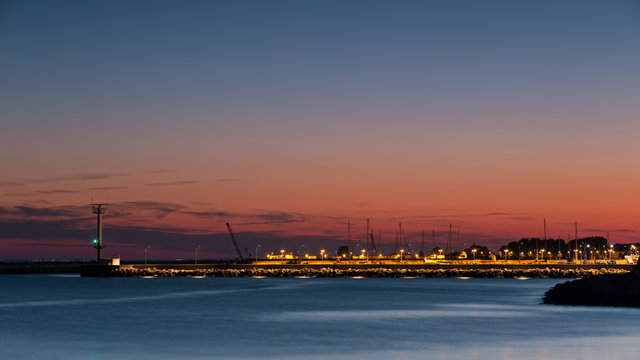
column 357, row 272
column 603, row 290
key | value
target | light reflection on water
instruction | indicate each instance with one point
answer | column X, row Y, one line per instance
column 65, row 317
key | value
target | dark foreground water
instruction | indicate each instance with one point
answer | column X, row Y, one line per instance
column 68, row 317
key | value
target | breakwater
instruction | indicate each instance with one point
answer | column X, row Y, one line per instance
column 604, row 290
column 447, row 271
column 44, row 267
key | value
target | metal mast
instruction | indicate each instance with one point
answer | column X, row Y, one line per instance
column 433, row 241
column 99, row 210
column 458, row 238
column 448, row 241
column 576, row 224
column 544, row 244
column 401, row 236
column 349, row 238
column 366, row 238
column 398, row 242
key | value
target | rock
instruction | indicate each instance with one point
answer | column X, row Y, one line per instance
column 603, row 290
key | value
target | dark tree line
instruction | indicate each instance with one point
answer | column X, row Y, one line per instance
column 526, row 249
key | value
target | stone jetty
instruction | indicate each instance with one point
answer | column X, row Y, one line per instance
column 345, row 271
column 601, row 290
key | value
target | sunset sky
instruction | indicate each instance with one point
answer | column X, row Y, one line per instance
column 287, row 118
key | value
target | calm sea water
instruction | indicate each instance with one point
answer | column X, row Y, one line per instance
column 68, row 317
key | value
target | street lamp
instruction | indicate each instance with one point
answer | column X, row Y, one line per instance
column 197, row 253
column 610, row 252
column 257, row 246
column 401, row 253
column 282, row 254
column 322, row 254
column 146, row 248
column 474, row 254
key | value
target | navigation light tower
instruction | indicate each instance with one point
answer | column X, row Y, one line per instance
column 99, row 210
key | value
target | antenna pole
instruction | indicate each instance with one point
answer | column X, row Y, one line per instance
column 99, row 210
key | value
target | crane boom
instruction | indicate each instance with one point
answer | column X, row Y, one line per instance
column 235, row 243
column 373, row 244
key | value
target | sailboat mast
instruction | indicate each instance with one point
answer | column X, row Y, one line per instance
column 395, row 244
column 349, row 238
column 458, row 238
column 448, row 241
column 433, row 240
column 549, row 244
column 368, row 247
column 577, row 250
column 569, row 240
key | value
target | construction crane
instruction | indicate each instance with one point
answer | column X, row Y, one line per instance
column 235, row 243
column 373, row 244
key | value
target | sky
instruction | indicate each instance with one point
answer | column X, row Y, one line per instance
column 289, row 118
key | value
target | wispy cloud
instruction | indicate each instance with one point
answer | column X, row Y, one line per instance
column 173, row 183
column 496, row 214
column 10, row 183
column 37, row 232
column 229, row 179
column 56, row 191
column 108, row 188
column 162, row 171
column 46, row 192
column 55, row 179
column 49, row 212
column 159, row 209
column 273, row 217
column 206, row 214
column 79, row 177
column 623, row 231
column 508, row 216
column 521, row 218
